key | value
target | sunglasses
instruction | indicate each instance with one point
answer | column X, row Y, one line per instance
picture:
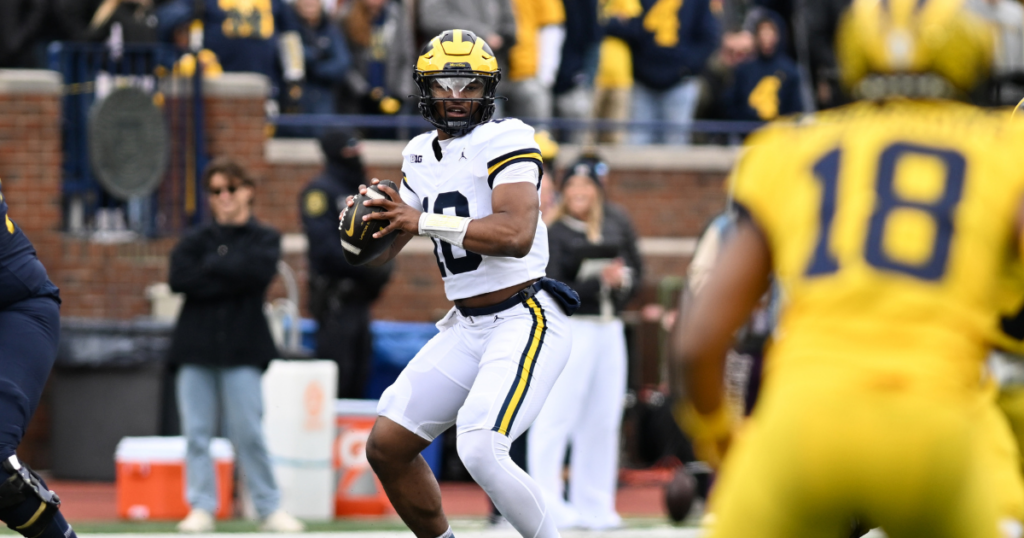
column 231, row 190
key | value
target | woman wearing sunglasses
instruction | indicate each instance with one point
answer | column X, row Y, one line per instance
column 222, row 344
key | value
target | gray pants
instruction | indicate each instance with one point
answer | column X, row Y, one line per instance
column 233, row 394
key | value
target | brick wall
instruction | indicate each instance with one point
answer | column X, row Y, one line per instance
column 669, row 193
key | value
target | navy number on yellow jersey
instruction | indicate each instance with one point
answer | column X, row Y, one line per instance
column 888, row 201
column 457, row 266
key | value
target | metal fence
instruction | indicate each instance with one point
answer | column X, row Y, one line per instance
column 90, row 73
column 407, row 126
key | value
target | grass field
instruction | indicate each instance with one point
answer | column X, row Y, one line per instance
column 387, row 528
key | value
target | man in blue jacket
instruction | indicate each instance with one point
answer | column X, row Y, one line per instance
column 671, row 42
column 768, row 85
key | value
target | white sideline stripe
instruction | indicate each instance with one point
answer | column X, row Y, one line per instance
column 670, row 247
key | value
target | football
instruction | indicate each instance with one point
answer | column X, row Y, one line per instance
column 679, row 494
column 357, row 235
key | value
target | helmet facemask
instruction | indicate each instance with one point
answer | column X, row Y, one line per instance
column 444, row 93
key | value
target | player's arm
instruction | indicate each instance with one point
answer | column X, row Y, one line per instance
column 705, row 329
column 508, row 231
column 704, row 333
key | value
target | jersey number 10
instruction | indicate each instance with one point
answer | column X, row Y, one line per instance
column 826, row 171
column 457, row 201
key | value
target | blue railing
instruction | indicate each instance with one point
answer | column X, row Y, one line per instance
column 415, row 124
column 90, row 71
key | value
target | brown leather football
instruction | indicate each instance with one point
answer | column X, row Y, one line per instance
column 679, row 494
column 357, row 235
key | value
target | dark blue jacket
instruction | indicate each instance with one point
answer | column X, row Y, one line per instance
column 583, row 35
column 320, row 203
column 661, row 66
column 242, row 42
column 777, row 97
column 327, row 60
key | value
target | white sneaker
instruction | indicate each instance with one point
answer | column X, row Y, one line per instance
column 197, row 521
column 281, row 521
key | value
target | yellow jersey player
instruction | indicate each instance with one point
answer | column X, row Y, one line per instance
column 888, row 224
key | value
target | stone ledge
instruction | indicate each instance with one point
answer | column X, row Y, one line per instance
column 710, row 159
column 673, row 247
column 231, row 85
column 31, row 81
column 237, row 85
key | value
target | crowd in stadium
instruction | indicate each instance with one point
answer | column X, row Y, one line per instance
column 639, row 60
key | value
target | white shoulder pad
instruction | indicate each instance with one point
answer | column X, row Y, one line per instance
column 506, row 142
column 417, row 147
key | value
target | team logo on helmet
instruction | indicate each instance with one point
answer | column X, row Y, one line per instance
column 912, row 48
column 457, row 75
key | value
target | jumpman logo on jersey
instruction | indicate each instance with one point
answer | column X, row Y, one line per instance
column 463, row 156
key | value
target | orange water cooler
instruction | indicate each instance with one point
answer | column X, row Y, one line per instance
column 151, row 477
column 358, row 491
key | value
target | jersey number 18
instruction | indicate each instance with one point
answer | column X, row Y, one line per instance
column 826, row 171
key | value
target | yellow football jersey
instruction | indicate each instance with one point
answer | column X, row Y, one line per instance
column 891, row 226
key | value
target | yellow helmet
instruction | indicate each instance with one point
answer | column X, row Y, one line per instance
column 1018, row 111
column 912, row 48
column 451, row 62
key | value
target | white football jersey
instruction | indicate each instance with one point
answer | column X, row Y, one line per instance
column 460, row 184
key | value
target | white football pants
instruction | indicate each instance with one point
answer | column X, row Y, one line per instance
column 488, row 375
column 584, row 409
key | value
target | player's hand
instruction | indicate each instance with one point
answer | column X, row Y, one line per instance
column 351, row 199
column 402, row 216
column 711, row 434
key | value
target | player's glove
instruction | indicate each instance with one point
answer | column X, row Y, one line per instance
column 710, row 434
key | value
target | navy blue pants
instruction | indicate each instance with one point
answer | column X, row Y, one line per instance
column 29, row 332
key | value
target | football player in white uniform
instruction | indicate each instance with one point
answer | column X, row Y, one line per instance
column 473, row 187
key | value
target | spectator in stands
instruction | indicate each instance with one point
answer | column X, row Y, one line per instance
column 326, row 62
column 123, row 21
column 593, row 248
column 222, row 344
column 574, row 83
column 381, row 35
column 671, row 43
column 614, row 81
column 340, row 295
column 242, row 33
column 20, row 24
column 533, row 60
column 1007, row 20
column 71, row 18
column 492, row 20
column 767, row 85
column 820, row 18
column 548, row 188
column 737, row 47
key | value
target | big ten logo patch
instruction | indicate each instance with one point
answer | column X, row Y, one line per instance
column 247, row 18
column 314, row 400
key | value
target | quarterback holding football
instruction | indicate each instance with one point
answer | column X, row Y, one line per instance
column 472, row 186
